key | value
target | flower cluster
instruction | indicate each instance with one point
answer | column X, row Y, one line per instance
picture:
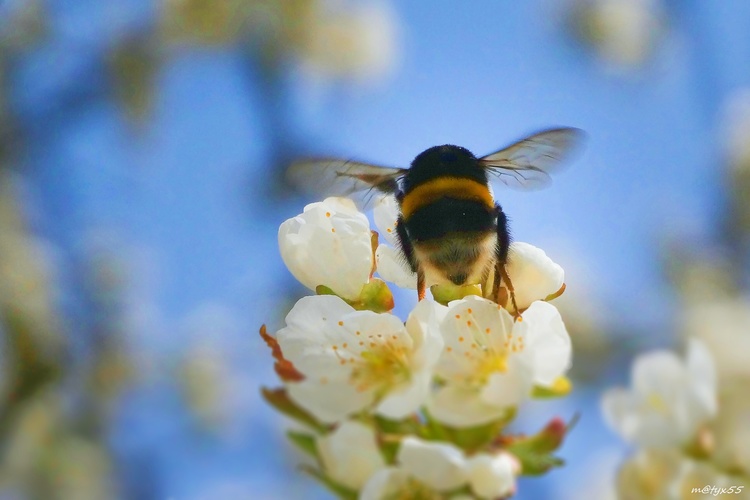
column 672, row 414
column 420, row 406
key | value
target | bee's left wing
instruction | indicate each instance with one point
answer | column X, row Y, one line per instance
column 527, row 163
column 336, row 177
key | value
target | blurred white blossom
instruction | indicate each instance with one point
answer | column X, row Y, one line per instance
column 669, row 399
column 724, row 327
column 355, row 39
column 623, row 32
column 329, row 244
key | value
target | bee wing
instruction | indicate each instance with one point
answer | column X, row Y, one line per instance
column 336, row 177
column 527, row 163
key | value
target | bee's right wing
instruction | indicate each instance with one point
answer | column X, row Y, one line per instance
column 335, row 177
column 526, row 164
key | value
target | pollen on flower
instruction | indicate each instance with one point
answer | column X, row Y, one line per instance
column 333, row 229
column 468, row 310
column 458, row 316
column 460, row 339
column 335, row 347
column 361, row 342
column 487, row 331
column 389, row 230
column 449, row 349
column 384, row 365
column 341, row 323
column 328, row 214
column 344, row 345
column 358, row 332
column 468, row 323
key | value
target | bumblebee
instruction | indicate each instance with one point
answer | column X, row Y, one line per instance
column 450, row 228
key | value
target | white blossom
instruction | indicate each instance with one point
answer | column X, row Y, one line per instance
column 350, row 454
column 724, row 327
column 669, row 398
column 490, row 362
column 534, row 275
column 329, row 244
column 350, row 39
column 355, row 359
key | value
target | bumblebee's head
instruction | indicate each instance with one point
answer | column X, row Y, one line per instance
column 444, row 161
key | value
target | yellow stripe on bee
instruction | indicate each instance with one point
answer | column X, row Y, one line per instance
column 445, row 187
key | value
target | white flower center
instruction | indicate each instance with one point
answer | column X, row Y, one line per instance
column 485, row 360
column 384, row 365
column 657, row 403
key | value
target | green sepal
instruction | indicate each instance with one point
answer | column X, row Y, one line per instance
column 375, row 296
column 444, row 294
column 536, row 464
column 279, row 399
column 390, row 433
column 340, row 491
column 305, row 442
column 469, row 439
column 535, row 452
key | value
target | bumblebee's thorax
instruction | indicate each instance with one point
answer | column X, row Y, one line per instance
column 443, row 161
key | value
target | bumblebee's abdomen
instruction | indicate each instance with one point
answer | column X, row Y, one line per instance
column 449, row 216
column 445, row 187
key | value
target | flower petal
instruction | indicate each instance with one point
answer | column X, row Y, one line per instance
column 386, row 214
column 350, row 454
column 406, row 399
column 392, row 267
column 329, row 402
column 547, row 343
column 457, row 406
column 384, row 483
column 704, row 380
column 439, row 465
column 492, row 477
column 534, row 275
column 509, row 389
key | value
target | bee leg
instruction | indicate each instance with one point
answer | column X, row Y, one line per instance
column 509, row 284
column 421, row 288
column 503, row 244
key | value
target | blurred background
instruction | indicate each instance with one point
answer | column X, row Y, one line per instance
column 142, row 146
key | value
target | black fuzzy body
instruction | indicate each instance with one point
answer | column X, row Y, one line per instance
column 451, row 238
